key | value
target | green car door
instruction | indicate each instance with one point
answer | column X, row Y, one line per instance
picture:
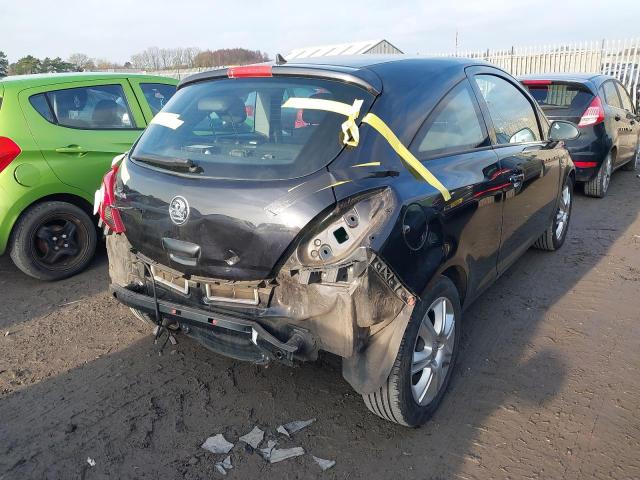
column 81, row 126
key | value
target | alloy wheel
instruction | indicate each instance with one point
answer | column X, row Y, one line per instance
column 564, row 209
column 432, row 351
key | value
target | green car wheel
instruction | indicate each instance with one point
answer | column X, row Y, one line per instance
column 53, row 240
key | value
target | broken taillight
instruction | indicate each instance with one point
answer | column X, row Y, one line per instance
column 107, row 210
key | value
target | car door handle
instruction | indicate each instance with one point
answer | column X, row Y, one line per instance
column 74, row 149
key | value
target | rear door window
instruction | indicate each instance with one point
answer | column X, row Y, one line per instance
column 157, row 95
column 99, row 107
column 455, row 125
column 513, row 116
column 624, row 98
column 611, row 94
column 561, row 98
column 243, row 129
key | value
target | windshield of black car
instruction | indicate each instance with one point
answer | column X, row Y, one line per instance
column 561, row 98
column 239, row 129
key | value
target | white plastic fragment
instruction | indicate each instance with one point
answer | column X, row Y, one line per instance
column 266, row 452
column 226, row 463
column 293, row 427
column 324, row 464
column 220, row 468
column 217, row 444
column 253, row 438
column 91, row 462
column 278, row 455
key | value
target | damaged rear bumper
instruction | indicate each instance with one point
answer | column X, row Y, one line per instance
column 235, row 337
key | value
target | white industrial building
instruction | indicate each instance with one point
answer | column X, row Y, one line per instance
column 355, row 48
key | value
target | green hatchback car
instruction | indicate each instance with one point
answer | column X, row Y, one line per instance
column 58, row 136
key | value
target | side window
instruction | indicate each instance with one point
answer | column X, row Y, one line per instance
column 101, row 107
column 611, row 94
column 624, row 97
column 157, row 94
column 454, row 126
column 39, row 102
column 513, row 116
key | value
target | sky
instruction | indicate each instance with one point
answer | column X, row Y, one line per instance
column 117, row 29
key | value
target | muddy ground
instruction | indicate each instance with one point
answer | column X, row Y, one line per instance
column 547, row 386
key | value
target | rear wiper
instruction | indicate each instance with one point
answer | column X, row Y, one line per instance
column 170, row 162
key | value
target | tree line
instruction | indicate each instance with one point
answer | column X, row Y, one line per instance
column 150, row 59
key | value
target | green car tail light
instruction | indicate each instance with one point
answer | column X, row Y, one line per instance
column 9, row 150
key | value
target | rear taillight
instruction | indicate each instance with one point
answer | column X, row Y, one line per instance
column 9, row 150
column 593, row 115
column 109, row 214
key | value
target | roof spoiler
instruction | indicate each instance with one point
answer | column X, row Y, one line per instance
column 363, row 78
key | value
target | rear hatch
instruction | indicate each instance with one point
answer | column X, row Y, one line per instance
column 560, row 100
column 225, row 177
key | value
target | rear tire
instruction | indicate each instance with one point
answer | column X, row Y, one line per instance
column 632, row 164
column 598, row 185
column 429, row 350
column 53, row 240
column 553, row 238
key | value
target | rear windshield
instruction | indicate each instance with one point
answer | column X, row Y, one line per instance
column 561, row 98
column 238, row 128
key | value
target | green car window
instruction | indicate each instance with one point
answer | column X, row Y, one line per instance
column 100, row 107
column 157, row 94
column 39, row 102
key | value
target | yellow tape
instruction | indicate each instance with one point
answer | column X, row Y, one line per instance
column 410, row 161
column 349, row 126
column 352, row 134
column 368, row 164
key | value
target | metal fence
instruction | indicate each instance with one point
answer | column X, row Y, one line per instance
column 618, row 58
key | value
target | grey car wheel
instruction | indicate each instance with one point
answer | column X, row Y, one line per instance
column 598, row 185
column 425, row 361
column 632, row 165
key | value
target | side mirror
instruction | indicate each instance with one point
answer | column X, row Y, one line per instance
column 561, row 130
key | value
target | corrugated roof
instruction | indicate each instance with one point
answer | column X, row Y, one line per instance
column 354, row 48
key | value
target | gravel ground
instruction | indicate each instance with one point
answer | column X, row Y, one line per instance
column 547, row 385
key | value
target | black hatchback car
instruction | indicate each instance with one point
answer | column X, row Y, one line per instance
column 608, row 122
column 361, row 225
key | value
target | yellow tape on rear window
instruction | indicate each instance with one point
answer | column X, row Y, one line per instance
column 352, row 134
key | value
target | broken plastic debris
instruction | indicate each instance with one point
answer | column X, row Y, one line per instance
column 266, row 452
column 224, row 465
column 324, row 464
column 285, row 453
column 253, row 438
column 91, row 462
column 293, row 427
column 217, row 444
